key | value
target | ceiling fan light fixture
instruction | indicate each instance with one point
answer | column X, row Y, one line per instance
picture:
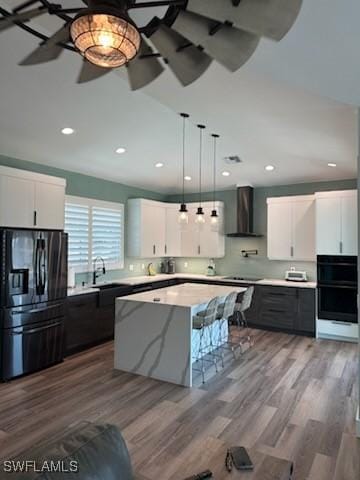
column 105, row 39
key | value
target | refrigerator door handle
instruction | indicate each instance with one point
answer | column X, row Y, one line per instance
column 36, row 310
column 35, row 330
column 37, row 266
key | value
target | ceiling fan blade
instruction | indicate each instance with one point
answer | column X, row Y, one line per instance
column 227, row 45
column 10, row 20
column 265, row 18
column 48, row 50
column 184, row 59
column 143, row 70
column 90, row 72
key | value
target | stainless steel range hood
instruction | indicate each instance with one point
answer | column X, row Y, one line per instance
column 244, row 213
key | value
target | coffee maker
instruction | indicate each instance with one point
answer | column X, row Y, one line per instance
column 170, row 266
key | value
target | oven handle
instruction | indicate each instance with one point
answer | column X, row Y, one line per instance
column 345, row 324
column 35, row 330
column 353, row 286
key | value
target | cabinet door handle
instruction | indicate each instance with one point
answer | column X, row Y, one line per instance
column 291, row 251
column 154, row 249
column 199, row 249
column 165, row 249
column 35, row 217
column 341, row 247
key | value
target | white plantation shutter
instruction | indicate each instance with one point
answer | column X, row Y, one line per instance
column 95, row 229
column 107, row 235
column 77, row 227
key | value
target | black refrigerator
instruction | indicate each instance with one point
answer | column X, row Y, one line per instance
column 33, row 288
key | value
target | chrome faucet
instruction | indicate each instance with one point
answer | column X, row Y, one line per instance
column 98, row 271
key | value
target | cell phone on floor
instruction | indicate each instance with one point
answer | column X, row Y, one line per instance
column 241, row 459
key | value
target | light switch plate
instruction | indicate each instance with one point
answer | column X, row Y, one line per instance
column 131, row 268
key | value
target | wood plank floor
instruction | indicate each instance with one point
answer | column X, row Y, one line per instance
column 289, row 398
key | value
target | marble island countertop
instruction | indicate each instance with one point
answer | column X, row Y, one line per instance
column 137, row 280
column 184, row 295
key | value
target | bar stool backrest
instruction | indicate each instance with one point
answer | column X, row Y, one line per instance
column 229, row 305
column 210, row 312
column 246, row 300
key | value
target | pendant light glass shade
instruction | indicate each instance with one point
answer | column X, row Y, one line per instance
column 105, row 40
column 183, row 217
column 214, row 218
column 200, row 216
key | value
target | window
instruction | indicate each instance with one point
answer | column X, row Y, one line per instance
column 95, row 229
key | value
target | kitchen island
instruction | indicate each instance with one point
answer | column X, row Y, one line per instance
column 153, row 330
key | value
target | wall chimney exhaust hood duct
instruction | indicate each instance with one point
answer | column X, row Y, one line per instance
column 244, row 213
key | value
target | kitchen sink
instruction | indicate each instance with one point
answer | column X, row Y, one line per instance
column 106, row 286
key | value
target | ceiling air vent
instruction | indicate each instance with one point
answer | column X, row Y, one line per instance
column 233, row 160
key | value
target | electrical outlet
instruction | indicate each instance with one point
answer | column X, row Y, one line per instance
column 186, row 264
column 143, row 266
column 131, row 267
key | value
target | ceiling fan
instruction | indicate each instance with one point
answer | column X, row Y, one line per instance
column 189, row 36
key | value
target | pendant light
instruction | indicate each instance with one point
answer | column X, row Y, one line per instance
column 183, row 217
column 214, row 217
column 200, row 216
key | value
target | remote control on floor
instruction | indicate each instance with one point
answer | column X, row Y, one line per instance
column 201, row 476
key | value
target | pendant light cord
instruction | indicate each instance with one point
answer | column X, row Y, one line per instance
column 183, row 160
column 184, row 117
column 215, row 137
column 201, row 128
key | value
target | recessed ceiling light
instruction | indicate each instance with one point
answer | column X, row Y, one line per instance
column 159, row 165
column 188, row 178
column 269, row 168
column 120, row 150
column 333, row 165
column 67, row 131
column 225, row 174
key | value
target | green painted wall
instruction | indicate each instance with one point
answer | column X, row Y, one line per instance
column 233, row 263
column 258, row 266
column 91, row 187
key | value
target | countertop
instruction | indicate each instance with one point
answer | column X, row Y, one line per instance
column 160, row 277
column 185, row 295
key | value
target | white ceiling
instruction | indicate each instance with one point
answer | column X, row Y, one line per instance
column 282, row 108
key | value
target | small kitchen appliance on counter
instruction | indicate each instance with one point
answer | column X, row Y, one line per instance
column 170, row 266
column 211, row 268
column 293, row 275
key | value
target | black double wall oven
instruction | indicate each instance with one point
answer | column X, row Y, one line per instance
column 337, row 288
column 33, row 288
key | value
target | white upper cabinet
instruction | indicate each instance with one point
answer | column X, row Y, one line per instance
column 291, row 228
column 49, row 205
column 336, row 223
column 154, row 231
column 190, row 235
column 212, row 242
column 172, row 231
column 146, row 228
column 279, row 230
column 31, row 200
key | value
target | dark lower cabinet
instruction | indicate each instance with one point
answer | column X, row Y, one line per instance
column 288, row 309
column 90, row 318
column 81, row 322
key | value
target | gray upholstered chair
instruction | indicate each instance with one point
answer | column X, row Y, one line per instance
column 204, row 343
column 87, row 452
